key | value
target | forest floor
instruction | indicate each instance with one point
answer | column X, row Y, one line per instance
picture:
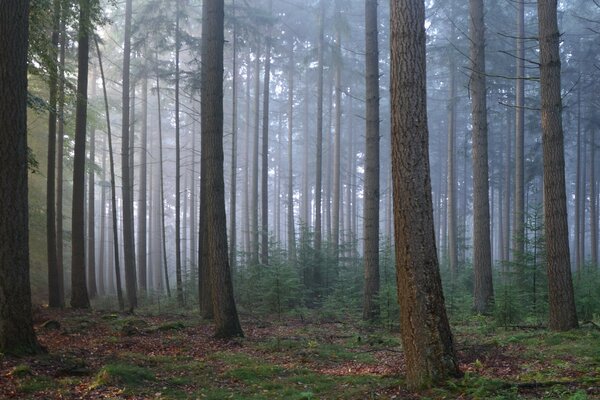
column 95, row 355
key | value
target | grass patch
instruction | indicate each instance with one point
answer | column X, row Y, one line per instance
column 35, row 384
column 122, row 375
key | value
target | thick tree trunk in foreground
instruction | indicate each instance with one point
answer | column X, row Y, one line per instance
column 426, row 336
column 482, row 257
column 79, row 293
column 225, row 312
column 16, row 325
column 371, row 211
column 562, row 313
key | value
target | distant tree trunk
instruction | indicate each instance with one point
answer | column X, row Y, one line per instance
column 519, row 212
column 578, row 192
column 179, row 282
column 254, row 187
column 593, row 200
column 264, row 249
column 482, row 257
column 506, row 193
column 234, row 149
column 562, row 313
column 371, row 195
column 91, row 224
column 113, row 186
column 246, row 195
column 319, row 151
column 142, row 262
column 306, row 195
column 79, row 293
column 226, row 318
column 16, row 326
column 452, row 176
column 102, row 248
column 59, row 159
column 54, row 298
column 128, row 239
column 335, row 209
column 291, row 230
column 162, row 187
column 426, row 335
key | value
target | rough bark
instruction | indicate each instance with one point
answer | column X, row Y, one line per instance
column 16, row 326
column 371, row 191
column 225, row 312
column 128, row 239
column 562, row 313
column 482, row 259
column 79, row 293
column 426, row 336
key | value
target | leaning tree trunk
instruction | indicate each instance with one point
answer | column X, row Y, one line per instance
column 225, row 312
column 79, row 293
column 16, row 325
column 562, row 313
column 482, row 258
column 113, row 187
column 428, row 344
column 371, row 207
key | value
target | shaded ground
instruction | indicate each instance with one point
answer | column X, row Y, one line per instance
column 99, row 355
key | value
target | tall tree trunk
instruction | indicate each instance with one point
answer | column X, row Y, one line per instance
column 179, row 282
column 506, row 192
column 226, row 318
column 482, row 258
column 113, row 186
column 291, row 229
column 142, row 262
column 246, row 195
column 306, row 195
column 578, row 192
column 128, row 239
column 16, row 325
column 451, row 181
column 79, row 293
column 264, row 191
column 162, row 187
column 519, row 212
column 102, row 244
column 335, row 210
column 91, row 220
column 593, row 200
column 426, row 335
column 254, row 187
column 319, row 151
column 371, row 207
column 59, row 160
column 54, row 298
column 562, row 313
column 234, row 148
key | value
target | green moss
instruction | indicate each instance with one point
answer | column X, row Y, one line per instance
column 35, row 384
column 122, row 375
column 21, row 371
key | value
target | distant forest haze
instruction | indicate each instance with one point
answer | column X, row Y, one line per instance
column 413, row 166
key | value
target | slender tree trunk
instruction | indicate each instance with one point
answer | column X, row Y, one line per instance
column 319, row 151
column 506, row 192
column 371, row 190
column 246, row 194
column 578, row 191
column 519, row 212
column 335, row 211
column 562, row 313
column 128, row 239
column 482, row 258
column 54, row 298
column 79, row 293
column 306, row 195
column 113, row 186
column 16, row 326
column 254, row 187
column 452, row 177
column 59, row 161
column 264, row 249
column 102, row 248
column 142, row 262
column 234, row 149
column 91, row 225
column 593, row 200
column 428, row 344
column 162, row 186
column 291, row 229
column 226, row 318
column 178, row 279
